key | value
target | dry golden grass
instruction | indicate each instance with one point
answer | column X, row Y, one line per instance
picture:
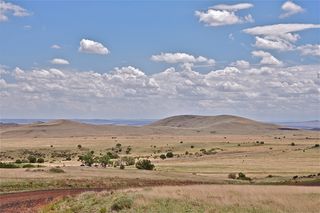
column 280, row 198
column 197, row 198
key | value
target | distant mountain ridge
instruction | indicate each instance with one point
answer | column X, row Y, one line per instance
column 311, row 125
column 175, row 125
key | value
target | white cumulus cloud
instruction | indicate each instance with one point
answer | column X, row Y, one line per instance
column 310, row 49
column 173, row 58
column 255, row 91
column 7, row 8
column 290, row 8
column 279, row 36
column 89, row 46
column 266, row 58
column 241, row 64
column 59, row 61
column 223, row 14
column 55, row 46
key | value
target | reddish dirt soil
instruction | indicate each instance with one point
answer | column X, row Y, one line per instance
column 31, row 201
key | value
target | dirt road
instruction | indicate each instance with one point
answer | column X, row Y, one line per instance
column 32, row 200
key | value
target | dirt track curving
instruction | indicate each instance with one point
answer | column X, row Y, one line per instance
column 31, row 201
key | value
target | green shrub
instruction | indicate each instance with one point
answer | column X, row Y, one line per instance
column 121, row 203
column 40, row 160
column 103, row 210
column 18, row 161
column 8, row 165
column 129, row 161
column 163, row 156
column 87, row 159
column 144, row 164
column 56, row 170
column 28, row 166
column 169, row 155
column 112, row 155
column 104, row 160
column 32, row 159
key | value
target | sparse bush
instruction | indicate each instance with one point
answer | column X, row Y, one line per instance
column 104, row 160
column 24, row 161
column 232, row 176
column 208, row 152
column 191, row 146
column 79, row 146
column 87, row 159
column 56, row 170
column 32, row 159
column 163, row 156
column 261, row 142
column 169, row 155
column 316, row 145
column 8, row 165
column 40, row 160
column 68, row 158
column 242, row 176
column 128, row 150
column 186, row 153
column 121, row 203
column 144, row 164
column 293, row 144
column 112, row 155
column 118, row 145
column 18, row 161
column 129, row 161
column 121, row 166
column 181, row 141
column 28, row 166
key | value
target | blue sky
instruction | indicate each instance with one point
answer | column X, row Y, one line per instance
column 151, row 37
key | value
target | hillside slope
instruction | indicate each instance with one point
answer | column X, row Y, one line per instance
column 176, row 125
column 224, row 123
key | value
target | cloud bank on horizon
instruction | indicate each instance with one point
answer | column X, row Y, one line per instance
column 261, row 78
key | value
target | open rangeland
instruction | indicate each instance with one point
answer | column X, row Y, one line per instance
column 224, row 151
column 195, row 198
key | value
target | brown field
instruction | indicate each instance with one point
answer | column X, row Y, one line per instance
column 198, row 198
column 266, row 154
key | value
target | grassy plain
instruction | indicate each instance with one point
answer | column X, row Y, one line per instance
column 195, row 198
